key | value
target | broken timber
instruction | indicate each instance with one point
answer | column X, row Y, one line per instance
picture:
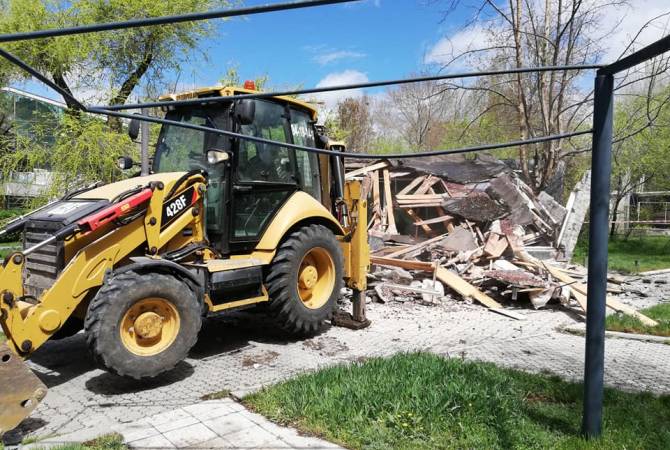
column 452, row 280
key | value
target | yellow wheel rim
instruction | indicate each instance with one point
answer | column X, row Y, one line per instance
column 149, row 326
column 316, row 278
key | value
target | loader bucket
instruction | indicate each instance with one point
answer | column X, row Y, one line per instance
column 20, row 390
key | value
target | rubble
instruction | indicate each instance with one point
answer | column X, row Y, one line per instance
column 474, row 228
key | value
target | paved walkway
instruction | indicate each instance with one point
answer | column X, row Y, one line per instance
column 215, row 424
column 244, row 352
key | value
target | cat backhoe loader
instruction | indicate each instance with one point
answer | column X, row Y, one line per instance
column 220, row 224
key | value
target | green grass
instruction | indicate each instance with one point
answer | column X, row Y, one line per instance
column 425, row 401
column 651, row 252
column 630, row 324
column 112, row 441
column 7, row 247
column 106, row 442
column 216, row 395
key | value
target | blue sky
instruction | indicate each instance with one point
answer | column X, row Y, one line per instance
column 375, row 39
column 361, row 41
column 382, row 39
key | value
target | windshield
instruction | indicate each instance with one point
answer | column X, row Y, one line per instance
column 182, row 149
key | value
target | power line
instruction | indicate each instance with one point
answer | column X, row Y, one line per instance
column 345, row 87
column 165, row 20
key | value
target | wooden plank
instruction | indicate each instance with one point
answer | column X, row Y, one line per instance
column 365, row 170
column 495, row 245
column 427, row 185
column 623, row 308
column 416, row 247
column 402, row 263
column 581, row 298
column 435, row 220
column 419, row 222
column 610, row 302
column 465, row 289
column 388, row 199
column 407, row 189
column 376, row 204
column 420, row 197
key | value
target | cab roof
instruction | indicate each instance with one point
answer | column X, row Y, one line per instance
column 227, row 91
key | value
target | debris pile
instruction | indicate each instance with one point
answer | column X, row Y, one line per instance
column 474, row 227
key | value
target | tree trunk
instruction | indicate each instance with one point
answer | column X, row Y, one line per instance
column 127, row 88
column 59, row 80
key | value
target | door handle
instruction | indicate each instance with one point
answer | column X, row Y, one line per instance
column 242, row 188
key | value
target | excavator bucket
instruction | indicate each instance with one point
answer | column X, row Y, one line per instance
column 20, row 390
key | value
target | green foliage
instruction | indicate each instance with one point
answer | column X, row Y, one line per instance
column 651, row 253
column 645, row 151
column 425, row 401
column 122, row 57
column 232, row 78
column 84, row 151
column 630, row 324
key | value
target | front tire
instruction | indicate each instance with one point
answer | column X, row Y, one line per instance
column 142, row 325
column 305, row 279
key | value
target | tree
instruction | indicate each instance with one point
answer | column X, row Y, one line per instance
column 232, row 78
column 355, row 123
column 421, row 110
column 643, row 157
column 120, row 59
column 516, row 34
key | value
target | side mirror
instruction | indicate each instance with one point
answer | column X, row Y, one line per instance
column 125, row 163
column 245, row 111
column 216, row 157
column 134, row 129
column 322, row 140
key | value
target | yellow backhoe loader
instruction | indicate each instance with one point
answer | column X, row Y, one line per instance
column 219, row 224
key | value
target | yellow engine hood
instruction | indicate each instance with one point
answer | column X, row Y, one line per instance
column 113, row 190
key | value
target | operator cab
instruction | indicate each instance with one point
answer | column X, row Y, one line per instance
column 248, row 181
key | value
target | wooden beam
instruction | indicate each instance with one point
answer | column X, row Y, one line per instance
column 417, row 181
column 419, row 222
column 450, row 279
column 415, row 247
column 611, row 302
column 402, row 263
column 365, row 170
column 388, row 199
column 467, row 290
column 435, row 220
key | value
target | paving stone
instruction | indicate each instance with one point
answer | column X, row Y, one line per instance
column 212, row 409
column 153, row 442
column 177, row 424
column 230, row 423
column 190, row 435
column 254, row 438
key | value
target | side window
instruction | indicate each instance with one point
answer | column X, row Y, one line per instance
column 266, row 162
column 308, row 163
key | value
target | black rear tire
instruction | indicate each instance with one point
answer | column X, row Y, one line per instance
column 282, row 280
column 116, row 302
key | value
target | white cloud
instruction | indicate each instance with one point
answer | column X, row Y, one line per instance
column 331, row 99
column 629, row 20
column 448, row 48
column 337, row 55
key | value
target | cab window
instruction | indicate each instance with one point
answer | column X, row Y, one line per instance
column 302, row 130
column 260, row 162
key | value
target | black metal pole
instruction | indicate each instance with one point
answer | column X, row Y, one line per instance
column 601, row 165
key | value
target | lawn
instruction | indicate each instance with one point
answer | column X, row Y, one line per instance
column 651, row 252
column 106, row 442
column 7, row 247
column 630, row 324
column 425, row 401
